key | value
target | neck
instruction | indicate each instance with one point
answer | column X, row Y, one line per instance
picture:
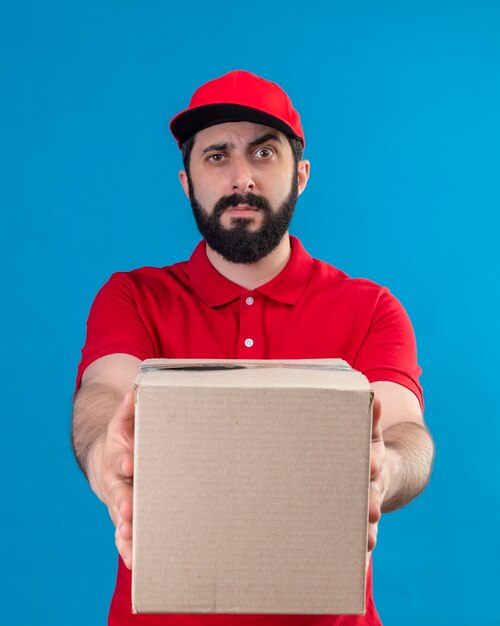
column 253, row 275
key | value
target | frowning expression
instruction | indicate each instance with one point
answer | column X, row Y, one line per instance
column 243, row 183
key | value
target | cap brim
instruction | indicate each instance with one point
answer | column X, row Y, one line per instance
column 191, row 121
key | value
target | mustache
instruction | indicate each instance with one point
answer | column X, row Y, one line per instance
column 259, row 202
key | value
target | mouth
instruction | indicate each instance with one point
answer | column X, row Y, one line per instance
column 242, row 210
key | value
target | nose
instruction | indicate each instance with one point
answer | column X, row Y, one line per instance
column 242, row 177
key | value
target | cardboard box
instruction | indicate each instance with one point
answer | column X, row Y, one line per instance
column 250, row 487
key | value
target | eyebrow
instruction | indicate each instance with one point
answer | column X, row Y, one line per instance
column 220, row 147
column 264, row 138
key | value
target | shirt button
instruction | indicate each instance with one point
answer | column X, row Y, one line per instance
column 249, row 343
column 249, row 300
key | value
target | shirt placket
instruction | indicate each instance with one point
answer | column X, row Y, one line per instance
column 250, row 339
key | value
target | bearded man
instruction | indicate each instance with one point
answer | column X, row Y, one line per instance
column 248, row 291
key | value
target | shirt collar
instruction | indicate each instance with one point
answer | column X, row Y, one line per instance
column 216, row 290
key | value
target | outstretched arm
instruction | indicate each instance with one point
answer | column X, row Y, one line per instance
column 402, row 452
column 103, row 439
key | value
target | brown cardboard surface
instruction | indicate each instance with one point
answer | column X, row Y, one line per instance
column 250, row 487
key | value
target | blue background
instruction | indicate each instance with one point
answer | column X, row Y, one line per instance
column 400, row 103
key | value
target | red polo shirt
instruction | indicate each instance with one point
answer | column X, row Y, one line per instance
column 310, row 310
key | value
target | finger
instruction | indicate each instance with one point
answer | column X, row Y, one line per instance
column 372, row 536
column 125, row 530
column 124, row 548
column 122, row 520
column 115, row 516
column 126, row 507
column 374, row 508
column 122, row 465
column 374, row 466
column 121, row 499
column 122, row 515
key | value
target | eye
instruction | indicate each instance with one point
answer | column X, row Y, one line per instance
column 264, row 153
column 216, row 158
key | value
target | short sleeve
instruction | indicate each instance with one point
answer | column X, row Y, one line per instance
column 115, row 325
column 389, row 351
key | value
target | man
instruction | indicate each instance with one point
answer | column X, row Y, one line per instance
column 248, row 291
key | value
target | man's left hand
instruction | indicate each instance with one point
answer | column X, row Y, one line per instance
column 402, row 451
column 379, row 476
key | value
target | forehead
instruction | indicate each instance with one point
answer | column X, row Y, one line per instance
column 236, row 133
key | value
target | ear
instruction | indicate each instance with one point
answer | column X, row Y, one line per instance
column 184, row 182
column 303, row 169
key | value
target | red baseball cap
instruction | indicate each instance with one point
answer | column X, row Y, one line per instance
column 238, row 96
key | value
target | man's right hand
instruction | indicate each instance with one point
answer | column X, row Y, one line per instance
column 110, row 471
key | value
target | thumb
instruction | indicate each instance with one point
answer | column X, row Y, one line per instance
column 377, row 413
column 122, row 421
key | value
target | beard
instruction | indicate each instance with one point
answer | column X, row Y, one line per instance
column 238, row 244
